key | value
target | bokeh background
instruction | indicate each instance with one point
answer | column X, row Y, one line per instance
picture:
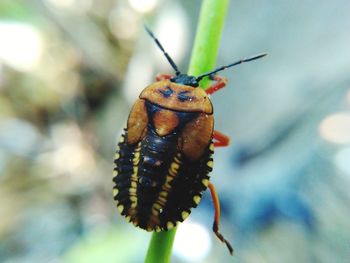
column 69, row 73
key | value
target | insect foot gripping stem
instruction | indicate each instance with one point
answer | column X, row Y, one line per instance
column 221, row 139
column 162, row 76
column 220, row 82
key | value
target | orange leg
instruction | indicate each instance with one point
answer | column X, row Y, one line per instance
column 216, row 203
column 221, row 139
column 219, row 83
column 163, row 76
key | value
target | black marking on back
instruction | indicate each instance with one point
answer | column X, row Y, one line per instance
column 183, row 97
column 183, row 116
column 166, row 93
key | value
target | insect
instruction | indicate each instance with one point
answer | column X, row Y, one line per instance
column 164, row 156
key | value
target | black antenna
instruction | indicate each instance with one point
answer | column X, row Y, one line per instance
column 231, row 65
column 172, row 63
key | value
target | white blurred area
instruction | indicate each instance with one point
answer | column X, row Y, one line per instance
column 21, row 45
column 75, row 6
column 192, row 242
column 335, row 128
column 144, row 6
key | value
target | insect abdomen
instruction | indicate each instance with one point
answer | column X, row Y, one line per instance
column 156, row 184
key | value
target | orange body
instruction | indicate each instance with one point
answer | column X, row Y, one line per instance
column 172, row 97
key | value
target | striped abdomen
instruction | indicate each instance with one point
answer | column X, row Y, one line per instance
column 155, row 184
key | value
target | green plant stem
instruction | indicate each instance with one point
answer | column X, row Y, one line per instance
column 160, row 247
column 207, row 40
column 204, row 52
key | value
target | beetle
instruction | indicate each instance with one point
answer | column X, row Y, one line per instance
column 164, row 156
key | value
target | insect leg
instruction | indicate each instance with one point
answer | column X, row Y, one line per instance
column 216, row 203
column 163, row 76
column 219, row 83
column 221, row 139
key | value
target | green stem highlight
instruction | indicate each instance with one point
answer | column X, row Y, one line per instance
column 204, row 52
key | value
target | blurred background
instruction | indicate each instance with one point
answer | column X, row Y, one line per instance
column 69, row 73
